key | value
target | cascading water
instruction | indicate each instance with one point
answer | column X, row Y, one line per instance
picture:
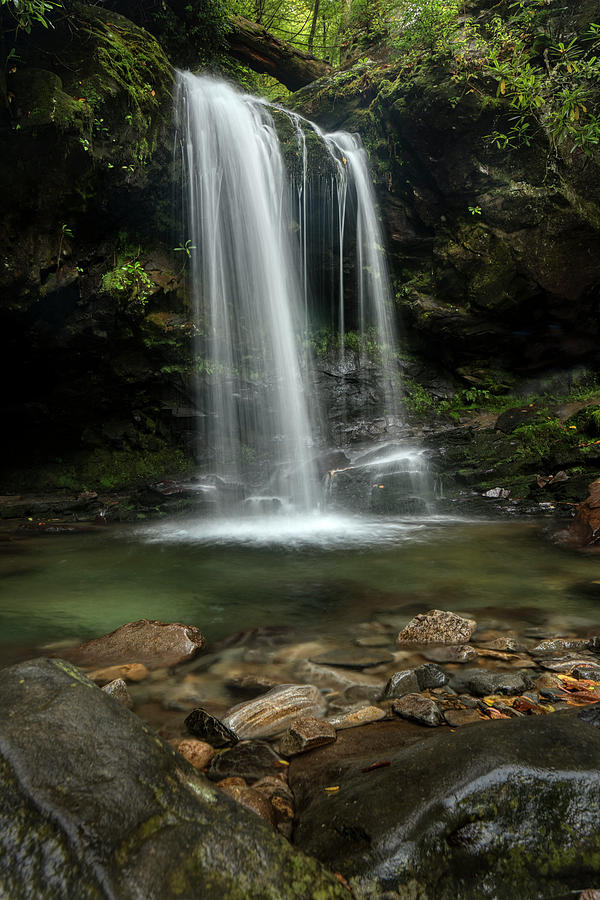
column 250, row 224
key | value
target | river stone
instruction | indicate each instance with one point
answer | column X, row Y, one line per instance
column 437, row 627
column 96, row 805
column 353, row 685
column 458, row 717
column 155, row 644
column 557, row 646
column 305, row 733
column 250, row 760
column 353, row 659
column 354, row 718
column 591, row 715
column 589, row 671
column 271, row 713
column 419, row 709
column 430, row 676
column 118, row 690
column 461, row 653
column 132, row 672
column 208, row 728
column 505, row 810
column 482, row 682
column 198, row 753
column 401, row 683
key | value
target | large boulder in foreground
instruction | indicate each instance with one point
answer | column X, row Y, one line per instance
column 584, row 530
column 155, row 644
column 503, row 810
column 95, row 805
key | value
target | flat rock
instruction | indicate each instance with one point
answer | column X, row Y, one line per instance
column 132, row 672
column 306, row 733
column 352, row 658
column 118, row 690
column 419, row 709
column 559, row 645
column 457, row 814
column 430, row 676
column 482, row 682
column 208, row 728
column 356, row 717
column 453, row 653
column 250, row 760
column 95, row 804
column 274, row 711
column 458, row 717
column 155, row 644
column 437, row 627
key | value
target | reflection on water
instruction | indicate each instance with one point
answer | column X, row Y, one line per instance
column 316, row 574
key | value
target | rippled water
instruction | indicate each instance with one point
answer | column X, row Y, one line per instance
column 319, row 575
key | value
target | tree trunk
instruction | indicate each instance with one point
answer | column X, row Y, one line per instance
column 257, row 48
column 313, row 27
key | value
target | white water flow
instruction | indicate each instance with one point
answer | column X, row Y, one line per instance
column 250, row 226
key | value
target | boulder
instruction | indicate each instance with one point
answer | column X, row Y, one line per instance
column 271, row 713
column 94, row 804
column 155, row 644
column 504, row 809
column 437, row 627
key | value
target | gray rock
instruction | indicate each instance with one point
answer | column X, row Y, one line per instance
column 405, row 682
column 353, row 718
column 419, row 709
column 587, row 670
column 353, row 659
column 437, row 627
column 155, row 644
column 478, row 813
column 96, row 805
column 430, row 676
column 208, row 728
column 118, row 690
column 591, row 715
column 481, row 682
column 351, row 685
column 306, row 733
column 557, row 646
column 274, row 711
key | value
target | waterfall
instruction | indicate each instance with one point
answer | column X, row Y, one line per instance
column 250, row 223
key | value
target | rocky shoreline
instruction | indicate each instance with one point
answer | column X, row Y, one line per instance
column 409, row 762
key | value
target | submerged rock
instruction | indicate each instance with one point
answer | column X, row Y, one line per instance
column 155, row 644
column 508, row 809
column 355, row 717
column 271, row 713
column 437, row 627
column 94, row 804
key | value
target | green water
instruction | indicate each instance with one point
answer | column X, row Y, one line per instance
column 325, row 579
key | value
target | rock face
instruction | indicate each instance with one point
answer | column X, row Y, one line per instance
column 274, row 711
column 155, row 644
column 94, row 804
column 437, row 627
column 499, row 810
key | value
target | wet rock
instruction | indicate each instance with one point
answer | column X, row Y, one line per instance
column 251, row 799
column 461, row 653
column 513, row 418
column 505, row 644
column 497, row 493
column 400, row 683
column 95, row 804
column 155, row 644
column 356, row 717
column 352, row 659
column 591, row 715
column 443, row 820
column 558, row 645
column 437, row 627
column 252, row 684
column 565, row 664
column 133, row 672
column 352, row 686
column 250, row 760
column 458, row 717
column 118, row 690
column 584, row 531
column 281, row 800
column 375, row 640
column 274, row 711
column 306, row 733
column 482, row 682
column 430, row 676
column 419, row 709
column 197, row 753
column 208, row 728
column 587, row 670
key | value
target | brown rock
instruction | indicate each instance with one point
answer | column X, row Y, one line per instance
column 353, row 718
column 437, row 627
column 584, row 530
column 453, row 653
column 250, row 798
column 130, row 672
column 418, row 708
column 156, row 644
column 306, row 733
column 457, row 717
column 274, row 711
column 198, row 753
column 281, row 799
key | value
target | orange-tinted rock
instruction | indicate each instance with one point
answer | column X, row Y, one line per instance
column 198, row 753
column 584, row 530
column 129, row 672
column 156, row 644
